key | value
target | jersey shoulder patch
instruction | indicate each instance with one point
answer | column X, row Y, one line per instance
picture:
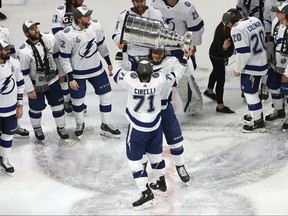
column 66, row 30
column 155, row 75
column 133, row 75
column 22, row 46
column 187, row 4
column 61, row 7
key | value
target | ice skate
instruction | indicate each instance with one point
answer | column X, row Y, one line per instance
column 183, row 174
column 39, row 133
column 62, row 133
column 85, row 108
column 146, row 200
column 160, row 186
column 257, row 126
column 21, row 133
column 247, row 119
column 109, row 131
column 5, row 165
column 79, row 130
column 276, row 115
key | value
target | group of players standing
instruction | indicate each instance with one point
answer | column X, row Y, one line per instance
column 56, row 68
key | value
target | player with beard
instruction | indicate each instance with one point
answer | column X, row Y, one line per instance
column 62, row 18
column 11, row 102
column 41, row 80
column 139, row 9
column 82, row 44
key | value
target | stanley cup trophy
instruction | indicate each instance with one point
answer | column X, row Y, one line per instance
column 151, row 33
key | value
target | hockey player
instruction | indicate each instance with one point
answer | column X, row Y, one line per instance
column 181, row 16
column 63, row 18
column 278, row 64
column 5, row 35
column 140, row 9
column 11, row 102
column 250, row 8
column 41, row 79
column 80, row 50
column 170, row 124
column 251, row 64
column 256, row 9
column 143, row 112
column 284, row 52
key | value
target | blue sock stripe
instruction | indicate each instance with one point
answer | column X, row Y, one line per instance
column 35, row 115
column 106, row 108
column 160, row 165
column 254, row 107
column 177, row 151
column 6, row 144
column 140, row 174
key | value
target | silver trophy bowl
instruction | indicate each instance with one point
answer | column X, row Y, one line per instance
column 151, row 33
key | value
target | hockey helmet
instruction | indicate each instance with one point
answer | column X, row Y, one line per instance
column 144, row 68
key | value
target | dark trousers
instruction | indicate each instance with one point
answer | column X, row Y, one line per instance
column 0, row 3
column 217, row 76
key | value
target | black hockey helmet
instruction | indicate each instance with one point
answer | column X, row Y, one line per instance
column 144, row 68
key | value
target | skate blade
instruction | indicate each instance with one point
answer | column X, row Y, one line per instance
column 107, row 134
column 16, row 136
column 148, row 204
column 257, row 130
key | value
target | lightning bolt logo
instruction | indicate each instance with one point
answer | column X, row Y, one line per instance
column 170, row 23
column 88, row 49
column 5, row 85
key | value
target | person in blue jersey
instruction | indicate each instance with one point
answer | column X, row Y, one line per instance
column 11, row 102
column 220, row 50
column 248, row 36
column 82, row 46
column 182, row 16
column 143, row 112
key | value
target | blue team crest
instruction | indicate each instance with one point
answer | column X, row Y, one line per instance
column 155, row 75
column 133, row 75
column 88, row 49
column 22, row 46
column 7, row 85
column 66, row 30
column 61, row 7
column 188, row 4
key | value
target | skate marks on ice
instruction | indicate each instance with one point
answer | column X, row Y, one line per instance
column 99, row 165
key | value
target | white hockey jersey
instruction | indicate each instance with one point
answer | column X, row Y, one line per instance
column 11, row 84
column 134, row 50
column 28, row 63
column 79, row 50
column 248, row 36
column 279, row 49
column 250, row 8
column 143, row 109
column 62, row 18
column 181, row 18
column 172, row 65
column 269, row 16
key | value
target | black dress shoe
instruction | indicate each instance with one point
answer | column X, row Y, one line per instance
column 225, row 109
column 211, row 96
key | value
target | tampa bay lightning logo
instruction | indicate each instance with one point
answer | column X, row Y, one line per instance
column 7, row 86
column 170, row 23
column 88, row 49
